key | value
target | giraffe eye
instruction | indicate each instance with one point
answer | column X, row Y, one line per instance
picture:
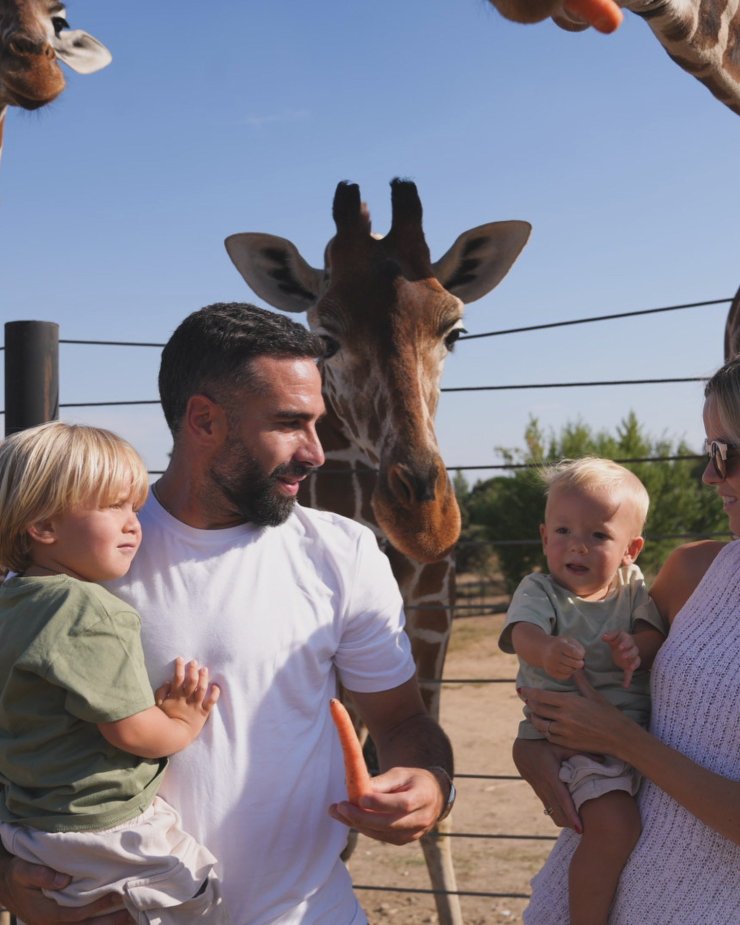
column 330, row 346
column 452, row 337
column 59, row 23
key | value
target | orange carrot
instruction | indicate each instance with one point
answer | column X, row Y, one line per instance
column 604, row 15
column 356, row 774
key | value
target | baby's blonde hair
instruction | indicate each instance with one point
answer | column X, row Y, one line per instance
column 591, row 473
column 56, row 467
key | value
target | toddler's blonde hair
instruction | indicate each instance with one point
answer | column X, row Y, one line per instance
column 56, row 467
column 592, row 473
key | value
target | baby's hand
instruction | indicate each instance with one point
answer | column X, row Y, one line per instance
column 563, row 656
column 188, row 697
column 625, row 653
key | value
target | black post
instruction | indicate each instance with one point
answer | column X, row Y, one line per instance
column 31, row 374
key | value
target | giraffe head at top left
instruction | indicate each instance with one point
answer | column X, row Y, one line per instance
column 34, row 37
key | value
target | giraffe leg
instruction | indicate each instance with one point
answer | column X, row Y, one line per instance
column 438, row 856
column 349, row 849
column 429, row 593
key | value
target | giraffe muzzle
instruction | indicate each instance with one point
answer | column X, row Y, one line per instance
column 31, row 74
column 417, row 510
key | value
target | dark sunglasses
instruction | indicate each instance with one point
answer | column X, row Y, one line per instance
column 719, row 453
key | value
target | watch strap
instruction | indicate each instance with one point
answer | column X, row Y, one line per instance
column 437, row 769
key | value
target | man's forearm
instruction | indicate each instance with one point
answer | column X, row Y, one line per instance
column 419, row 742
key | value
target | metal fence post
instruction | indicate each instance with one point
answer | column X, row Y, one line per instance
column 31, row 374
column 31, row 391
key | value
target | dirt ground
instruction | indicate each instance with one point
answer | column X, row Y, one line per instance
column 481, row 720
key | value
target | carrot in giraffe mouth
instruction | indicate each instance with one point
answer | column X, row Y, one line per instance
column 604, row 15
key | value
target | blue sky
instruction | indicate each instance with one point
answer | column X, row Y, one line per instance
column 243, row 116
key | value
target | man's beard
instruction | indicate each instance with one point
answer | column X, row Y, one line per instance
column 252, row 491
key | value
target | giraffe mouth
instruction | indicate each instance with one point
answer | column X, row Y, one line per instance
column 27, row 103
column 27, row 96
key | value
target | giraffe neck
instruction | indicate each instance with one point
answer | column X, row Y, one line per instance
column 346, row 482
column 345, row 485
column 702, row 37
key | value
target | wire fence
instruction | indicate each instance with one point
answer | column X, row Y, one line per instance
column 484, row 606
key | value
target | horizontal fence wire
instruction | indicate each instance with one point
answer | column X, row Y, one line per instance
column 686, row 457
column 572, row 385
column 611, row 317
column 462, row 388
column 521, row 330
column 430, row 891
column 329, row 470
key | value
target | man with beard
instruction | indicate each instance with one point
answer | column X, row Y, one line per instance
column 281, row 602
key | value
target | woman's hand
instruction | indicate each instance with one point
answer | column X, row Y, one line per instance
column 588, row 723
column 539, row 764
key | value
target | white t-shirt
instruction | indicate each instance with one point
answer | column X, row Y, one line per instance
column 277, row 614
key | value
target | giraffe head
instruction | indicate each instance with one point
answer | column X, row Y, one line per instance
column 34, row 37
column 389, row 318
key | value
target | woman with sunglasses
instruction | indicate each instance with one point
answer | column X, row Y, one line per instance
column 685, row 869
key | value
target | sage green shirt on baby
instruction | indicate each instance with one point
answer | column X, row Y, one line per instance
column 70, row 657
column 540, row 600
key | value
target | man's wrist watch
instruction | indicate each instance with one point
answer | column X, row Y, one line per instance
column 441, row 774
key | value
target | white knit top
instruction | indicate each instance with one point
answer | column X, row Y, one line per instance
column 681, row 872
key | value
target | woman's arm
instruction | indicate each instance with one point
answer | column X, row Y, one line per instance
column 589, row 723
column 680, row 574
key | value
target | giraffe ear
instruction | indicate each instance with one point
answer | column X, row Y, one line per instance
column 480, row 258
column 81, row 51
column 274, row 270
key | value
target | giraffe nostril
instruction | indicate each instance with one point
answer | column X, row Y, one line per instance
column 21, row 46
column 409, row 487
column 400, row 484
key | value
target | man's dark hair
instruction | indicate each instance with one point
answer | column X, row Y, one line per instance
column 211, row 350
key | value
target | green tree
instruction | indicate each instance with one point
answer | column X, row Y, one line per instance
column 474, row 549
column 508, row 509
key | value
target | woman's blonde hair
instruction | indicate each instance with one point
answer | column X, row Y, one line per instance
column 55, row 467
column 724, row 390
column 592, row 473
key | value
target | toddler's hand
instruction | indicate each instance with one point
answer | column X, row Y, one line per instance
column 188, row 697
column 625, row 653
column 563, row 657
